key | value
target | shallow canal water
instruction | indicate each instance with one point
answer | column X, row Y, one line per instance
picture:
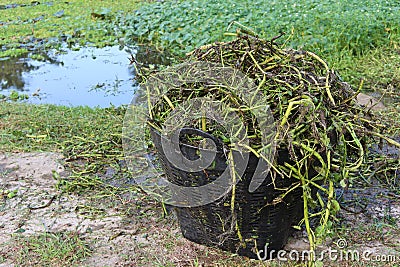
column 90, row 76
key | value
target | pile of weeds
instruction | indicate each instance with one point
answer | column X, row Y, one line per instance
column 317, row 120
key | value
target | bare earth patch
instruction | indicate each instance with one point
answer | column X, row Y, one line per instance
column 132, row 233
column 131, row 230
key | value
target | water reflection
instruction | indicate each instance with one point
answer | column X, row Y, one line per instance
column 90, row 76
column 11, row 71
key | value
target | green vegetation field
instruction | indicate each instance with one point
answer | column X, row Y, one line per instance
column 359, row 39
column 331, row 28
column 348, row 34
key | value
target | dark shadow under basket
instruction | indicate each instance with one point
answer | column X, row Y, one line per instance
column 257, row 221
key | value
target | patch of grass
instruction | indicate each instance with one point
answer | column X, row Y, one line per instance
column 380, row 69
column 49, row 249
column 378, row 230
column 89, row 138
column 391, row 118
column 45, row 24
column 26, row 127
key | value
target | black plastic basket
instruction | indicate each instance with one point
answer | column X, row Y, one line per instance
column 257, row 222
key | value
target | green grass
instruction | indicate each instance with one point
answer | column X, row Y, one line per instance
column 380, row 68
column 25, row 127
column 89, row 138
column 49, row 249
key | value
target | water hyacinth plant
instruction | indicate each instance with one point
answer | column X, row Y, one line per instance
column 326, row 133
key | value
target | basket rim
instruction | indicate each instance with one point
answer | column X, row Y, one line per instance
column 219, row 144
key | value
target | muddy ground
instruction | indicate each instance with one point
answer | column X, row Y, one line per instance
column 131, row 231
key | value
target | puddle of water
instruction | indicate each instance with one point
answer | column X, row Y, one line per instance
column 90, row 76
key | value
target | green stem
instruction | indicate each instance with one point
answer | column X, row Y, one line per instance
column 310, row 233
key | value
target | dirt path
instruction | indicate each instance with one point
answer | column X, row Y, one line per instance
column 38, row 207
column 133, row 232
